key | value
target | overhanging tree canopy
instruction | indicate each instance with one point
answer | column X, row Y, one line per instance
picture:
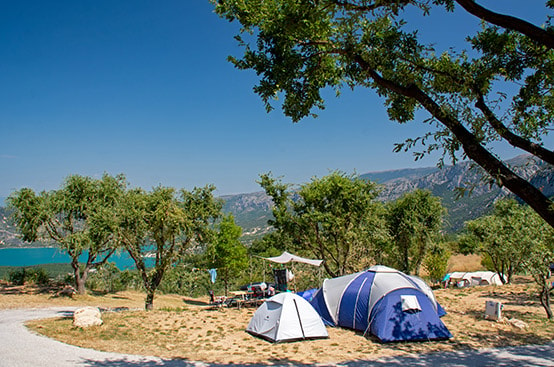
column 501, row 90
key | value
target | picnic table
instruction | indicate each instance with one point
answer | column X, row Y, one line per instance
column 244, row 299
column 238, row 299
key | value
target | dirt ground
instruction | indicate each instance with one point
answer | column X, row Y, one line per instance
column 188, row 328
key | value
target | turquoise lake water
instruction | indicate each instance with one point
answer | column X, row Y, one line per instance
column 47, row 255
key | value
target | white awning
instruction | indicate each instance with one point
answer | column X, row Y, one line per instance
column 286, row 257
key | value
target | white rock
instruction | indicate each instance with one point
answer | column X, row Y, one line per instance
column 87, row 316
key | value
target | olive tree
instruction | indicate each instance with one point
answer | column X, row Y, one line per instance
column 541, row 257
column 335, row 218
column 414, row 221
column 503, row 237
column 436, row 261
column 496, row 88
column 162, row 225
column 516, row 240
column 80, row 218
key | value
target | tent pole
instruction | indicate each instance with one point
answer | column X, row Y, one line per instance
column 299, row 320
column 294, row 279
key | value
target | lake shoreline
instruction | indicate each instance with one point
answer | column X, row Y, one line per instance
column 33, row 256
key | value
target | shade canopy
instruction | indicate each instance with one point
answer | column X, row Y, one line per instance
column 286, row 257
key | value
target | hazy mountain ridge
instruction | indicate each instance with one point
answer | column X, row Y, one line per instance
column 253, row 210
column 404, row 174
column 8, row 231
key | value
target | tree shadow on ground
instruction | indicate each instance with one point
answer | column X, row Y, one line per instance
column 29, row 288
column 526, row 316
column 132, row 362
column 512, row 298
column 195, row 302
column 119, row 297
column 533, row 355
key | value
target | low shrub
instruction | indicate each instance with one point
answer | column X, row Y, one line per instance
column 37, row 276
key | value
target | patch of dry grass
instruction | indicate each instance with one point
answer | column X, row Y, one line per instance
column 187, row 328
column 31, row 296
column 464, row 263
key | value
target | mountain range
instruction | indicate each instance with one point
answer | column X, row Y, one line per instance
column 253, row 210
column 464, row 190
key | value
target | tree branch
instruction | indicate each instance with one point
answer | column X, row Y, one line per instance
column 103, row 261
column 537, row 34
column 515, row 140
column 472, row 148
column 350, row 6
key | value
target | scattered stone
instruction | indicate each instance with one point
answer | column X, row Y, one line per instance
column 518, row 323
column 67, row 291
column 87, row 316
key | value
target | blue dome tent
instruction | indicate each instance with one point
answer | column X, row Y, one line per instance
column 385, row 302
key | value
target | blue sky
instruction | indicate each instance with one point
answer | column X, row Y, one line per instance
column 143, row 88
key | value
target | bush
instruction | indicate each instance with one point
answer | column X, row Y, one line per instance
column 109, row 278
column 37, row 276
column 184, row 280
column 17, row 277
column 436, row 261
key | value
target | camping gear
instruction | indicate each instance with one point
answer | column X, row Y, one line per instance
column 257, row 290
column 280, row 276
column 213, row 274
column 217, row 301
column 283, row 277
column 382, row 301
column 469, row 279
column 286, row 317
column 493, row 310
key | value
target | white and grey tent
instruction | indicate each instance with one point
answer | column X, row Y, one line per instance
column 468, row 279
column 286, row 317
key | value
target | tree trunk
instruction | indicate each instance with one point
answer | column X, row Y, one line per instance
column 80, row 279
column 80, row 283
column 510, row 271
column 151, row 287
column 406, row 258
column 545, row 298
column 422, row 249
column 149, row 304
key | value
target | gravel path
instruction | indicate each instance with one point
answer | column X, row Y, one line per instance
column 21, row 348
